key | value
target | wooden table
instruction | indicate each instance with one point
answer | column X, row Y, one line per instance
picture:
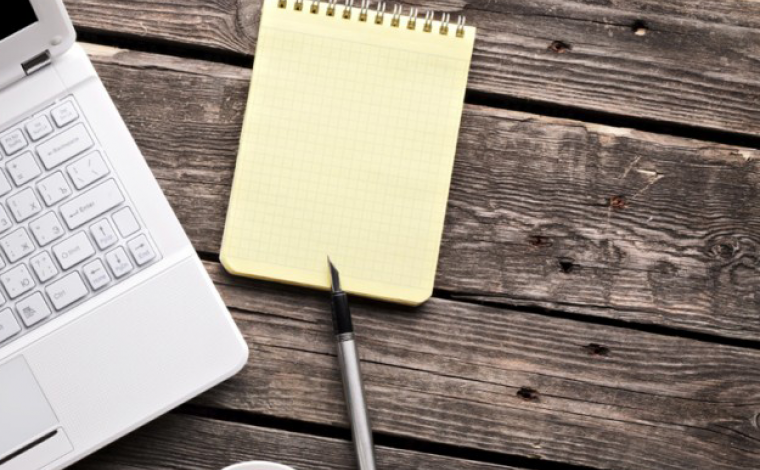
column 598, row 294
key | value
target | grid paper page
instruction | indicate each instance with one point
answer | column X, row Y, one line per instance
column 347, row 150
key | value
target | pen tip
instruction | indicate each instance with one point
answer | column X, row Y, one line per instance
column 334, row 275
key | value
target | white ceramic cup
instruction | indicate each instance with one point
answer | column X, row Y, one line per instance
column 258, row 465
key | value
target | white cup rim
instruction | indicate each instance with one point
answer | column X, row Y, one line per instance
column 258, row 465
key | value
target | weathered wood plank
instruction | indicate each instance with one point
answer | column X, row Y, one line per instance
column 185, row 442
column 502, row 381
column 696, row 63
column 530, row 218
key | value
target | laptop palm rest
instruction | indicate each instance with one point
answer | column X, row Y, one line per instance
column 29, row 433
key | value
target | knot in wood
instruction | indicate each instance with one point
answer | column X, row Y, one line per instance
column 566, row 265
column 528, row 394
column 618, row 202
column 639, row 28
column 560, row 47
column 595, row 349
column 724, row 249
column 539, row 241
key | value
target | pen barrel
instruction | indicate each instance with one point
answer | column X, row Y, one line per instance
column 358, row 414
column 341, row 314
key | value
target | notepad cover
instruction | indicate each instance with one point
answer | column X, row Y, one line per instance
column 347, row 151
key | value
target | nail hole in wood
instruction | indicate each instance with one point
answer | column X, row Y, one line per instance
column 560, row 47
column 528, row 394
column 639, row 28
column 566, row 265
column 594, row 349
column 618, row 202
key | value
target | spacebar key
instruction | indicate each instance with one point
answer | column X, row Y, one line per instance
column 91, row 204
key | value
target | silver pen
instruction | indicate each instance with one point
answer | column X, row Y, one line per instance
column 353, row 388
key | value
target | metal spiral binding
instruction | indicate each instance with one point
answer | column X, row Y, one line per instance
column 412, row 24
column 460, row 27
column 428, row 22
column 380, row 15
column 396, row 20
column 364, row 11
column 445, row 18
column 347, row 9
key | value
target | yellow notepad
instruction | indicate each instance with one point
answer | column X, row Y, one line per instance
column 347, row 149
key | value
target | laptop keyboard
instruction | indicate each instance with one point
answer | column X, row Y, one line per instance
column 67, row 229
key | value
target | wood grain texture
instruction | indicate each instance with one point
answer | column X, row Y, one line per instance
column 543, row 212
column 694, row 63
column 498, row 380
column 186, row 442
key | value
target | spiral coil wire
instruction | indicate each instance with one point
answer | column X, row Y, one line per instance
column 379, row 10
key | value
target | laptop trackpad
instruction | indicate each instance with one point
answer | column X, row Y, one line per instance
column 25, row 414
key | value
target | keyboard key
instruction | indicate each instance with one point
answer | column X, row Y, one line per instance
column 73, row 251
column 65, row 114
column 24, row 204
column 126, row 222
column 66, row 291
column 47, row 229
column 39, row 128
column 65, row 146
column 54, row 189
column 18, row 281
column 103, row 234
column 13, row 142
column 9, row 327
column 33, row 309
column 23, row 169
column 87, row 170
column 5, row 220
column 5, row 185
column 96, row 274
column 91, row 204
column 17, row 244
column 119, row 262
column 44, row 267
column 141, row 250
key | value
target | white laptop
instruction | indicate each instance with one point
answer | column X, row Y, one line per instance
column 107, row 317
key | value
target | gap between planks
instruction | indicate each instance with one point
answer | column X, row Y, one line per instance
column 475, row 97
column 671, row 61
column 549, row 311
column 382, row 440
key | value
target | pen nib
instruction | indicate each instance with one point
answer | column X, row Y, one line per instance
column 335, row 276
